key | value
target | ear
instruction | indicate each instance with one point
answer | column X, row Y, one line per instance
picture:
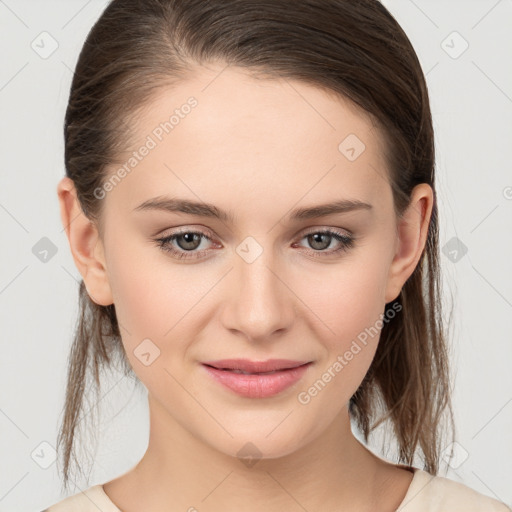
column 85, row 244
column 412, row 232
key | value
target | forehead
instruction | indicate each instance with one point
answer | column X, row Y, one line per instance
column 278, row 137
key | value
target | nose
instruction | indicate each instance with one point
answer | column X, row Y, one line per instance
column 260, row 303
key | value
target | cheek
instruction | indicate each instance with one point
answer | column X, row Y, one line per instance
column 155, row 298
column 346, row 298
column 348, row 303
column 151, row 306
column 148, row 297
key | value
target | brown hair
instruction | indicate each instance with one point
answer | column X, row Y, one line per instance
column 353, row 48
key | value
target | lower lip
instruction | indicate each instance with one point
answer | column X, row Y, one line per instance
column 258, row 385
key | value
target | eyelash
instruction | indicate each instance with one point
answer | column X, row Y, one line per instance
column 346, row 243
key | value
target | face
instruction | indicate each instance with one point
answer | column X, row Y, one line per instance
column 263, row 272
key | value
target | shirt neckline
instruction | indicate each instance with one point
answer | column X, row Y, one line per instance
column 419, row 480
column 414, row 488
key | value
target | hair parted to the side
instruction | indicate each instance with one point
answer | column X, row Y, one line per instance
column 355, row 49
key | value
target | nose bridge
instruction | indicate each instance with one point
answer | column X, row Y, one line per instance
column 261, row 303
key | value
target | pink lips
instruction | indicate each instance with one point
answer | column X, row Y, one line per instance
column 260, row 379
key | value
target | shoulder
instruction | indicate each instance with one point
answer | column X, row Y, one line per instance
column 91, row 500
column 429, row 493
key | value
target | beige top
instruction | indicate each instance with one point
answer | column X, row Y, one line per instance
column 426, row 493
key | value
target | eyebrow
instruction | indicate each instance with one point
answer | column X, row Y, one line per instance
column 175, row 205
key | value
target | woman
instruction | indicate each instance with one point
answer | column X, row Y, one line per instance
column 250, row 200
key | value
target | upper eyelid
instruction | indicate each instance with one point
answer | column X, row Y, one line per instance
column 208, row 232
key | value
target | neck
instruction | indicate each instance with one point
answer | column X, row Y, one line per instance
column 181, row 472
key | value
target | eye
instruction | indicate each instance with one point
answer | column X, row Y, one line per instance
column 184, row 244
column 187, row 242
column 321, row 240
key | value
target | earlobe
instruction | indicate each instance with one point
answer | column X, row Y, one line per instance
column 85, row 244
column 412, row 236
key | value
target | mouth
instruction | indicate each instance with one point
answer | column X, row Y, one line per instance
column 256, row 379
column 248, row 367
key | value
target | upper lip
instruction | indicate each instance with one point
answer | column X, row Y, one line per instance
column 246, row 365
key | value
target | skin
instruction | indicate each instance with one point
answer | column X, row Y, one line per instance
column 257, row 148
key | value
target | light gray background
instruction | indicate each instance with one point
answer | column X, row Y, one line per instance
column 471, row 98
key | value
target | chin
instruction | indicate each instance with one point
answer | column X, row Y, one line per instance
column 255, row 445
